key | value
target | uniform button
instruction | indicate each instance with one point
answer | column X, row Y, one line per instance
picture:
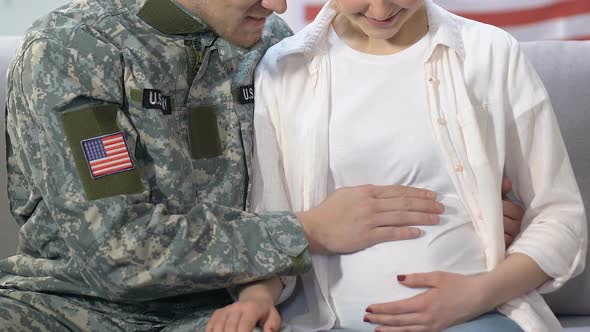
column 458, row 168
column 432, row 80
column 442, row 121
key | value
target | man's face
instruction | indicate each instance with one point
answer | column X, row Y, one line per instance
column 238, row 21
column 379, row 19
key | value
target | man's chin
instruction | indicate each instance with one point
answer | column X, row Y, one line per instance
column 244, row 40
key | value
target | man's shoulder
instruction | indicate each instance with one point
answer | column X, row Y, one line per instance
column 69, row 44
column 292, row 48
column 275, row 30
column 77, row 22
column 71, row 33
column 72, row 16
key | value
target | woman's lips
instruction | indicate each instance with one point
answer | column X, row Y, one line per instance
column 383, row 23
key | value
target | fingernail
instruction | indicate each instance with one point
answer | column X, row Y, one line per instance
column 369, row 310
column 366, row 320
column 401, row 277
column 434, row 218
column 440, row 207
column 431, row 195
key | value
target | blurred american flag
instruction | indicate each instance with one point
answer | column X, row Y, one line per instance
column 525, row 19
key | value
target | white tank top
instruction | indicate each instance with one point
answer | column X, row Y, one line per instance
column 380, row 133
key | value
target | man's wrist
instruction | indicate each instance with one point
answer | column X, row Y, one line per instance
column 307, row 223
column 265, row 290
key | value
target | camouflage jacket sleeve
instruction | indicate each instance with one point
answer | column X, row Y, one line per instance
column 125, row 247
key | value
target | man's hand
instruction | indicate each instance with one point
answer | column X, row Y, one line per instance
column 513, row 213
column 356, row 218
column 256, row 307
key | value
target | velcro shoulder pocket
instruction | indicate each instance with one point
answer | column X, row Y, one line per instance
column 102, row 156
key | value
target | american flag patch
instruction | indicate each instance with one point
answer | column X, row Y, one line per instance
column 107, row 155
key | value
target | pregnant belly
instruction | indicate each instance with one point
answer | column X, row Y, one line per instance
column 370, row 276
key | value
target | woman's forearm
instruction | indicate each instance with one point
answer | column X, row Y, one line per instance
column 517, row 275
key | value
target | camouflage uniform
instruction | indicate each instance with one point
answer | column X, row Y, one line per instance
column 152, row 243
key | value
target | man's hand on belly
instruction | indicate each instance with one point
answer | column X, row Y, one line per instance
column 513, row 213
column 355, row 218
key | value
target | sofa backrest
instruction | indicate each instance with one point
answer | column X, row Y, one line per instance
column 565, row 70
column 8, row 228
column 563, row 67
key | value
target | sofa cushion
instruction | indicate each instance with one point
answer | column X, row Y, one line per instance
column 563, row 67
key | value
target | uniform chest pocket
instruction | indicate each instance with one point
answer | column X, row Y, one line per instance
column 203, row 132
column 200, row 130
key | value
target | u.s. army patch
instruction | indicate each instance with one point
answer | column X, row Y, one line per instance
column 154, row 99
column 246, row 94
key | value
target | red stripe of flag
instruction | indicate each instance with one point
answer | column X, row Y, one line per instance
column 122, row 167
column 104, row 162
column 113, row 164
column 110, row 151
column 112, row 139
column 109, row 158
column 517, row 17
column 117, row 162
column 116, row 145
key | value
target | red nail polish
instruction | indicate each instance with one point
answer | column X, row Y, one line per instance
column 401, row 277
column 369, row 310
column 366, row 320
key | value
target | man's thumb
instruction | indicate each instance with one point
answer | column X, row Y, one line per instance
column 506, row 186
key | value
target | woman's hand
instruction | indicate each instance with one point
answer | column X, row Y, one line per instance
column 255, row 307
column 451, row 299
